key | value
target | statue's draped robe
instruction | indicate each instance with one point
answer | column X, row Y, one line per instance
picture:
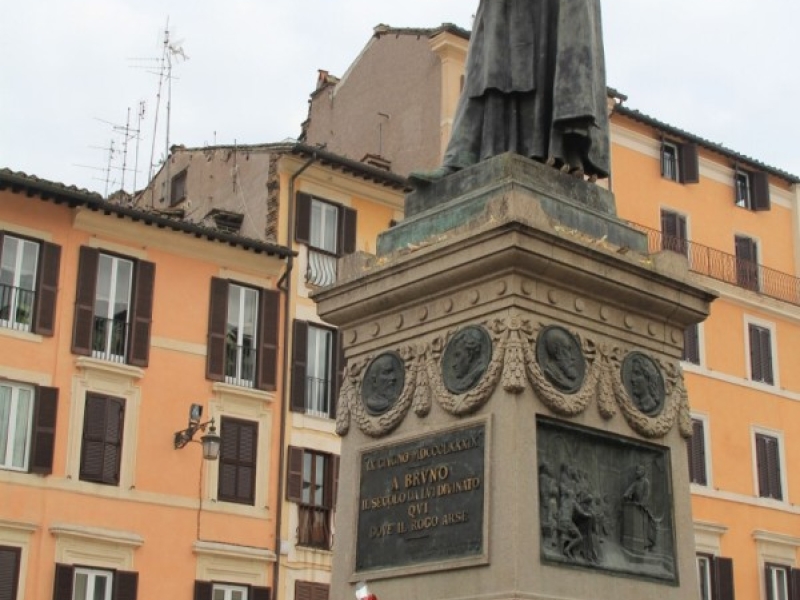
column 535, row 72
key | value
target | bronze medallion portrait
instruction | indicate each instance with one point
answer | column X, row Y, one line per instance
column 466, row 359
column 559, row 355
column 644, row 383
column 383, row 383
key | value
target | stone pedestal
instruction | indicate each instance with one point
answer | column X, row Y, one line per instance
column 513, row 414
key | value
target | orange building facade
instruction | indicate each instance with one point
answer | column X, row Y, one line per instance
column 112, row 325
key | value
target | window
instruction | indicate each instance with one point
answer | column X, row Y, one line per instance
column 751, row 189
column 309, row 590
column 28, row 284
column 84, row 583
column 9, row 572
column 768, row 465
column 101, row 448
column 312, row 481
column 27, row 427
column 691, row 344
column 783, row 582
column 747, row 271
column 206, row 590
column 237, row 461
column 696, row 449
column 177, row 188
column 113, row 308
column 316, row 364
column 760, row 340
column 679, row 162
column 673, row 232
column 715, row 577
column 243, row 335
column 329, row 230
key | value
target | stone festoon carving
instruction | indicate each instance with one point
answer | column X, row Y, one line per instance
column 465, row 360
column 605, row 502
column 534, row 85
column 383, row 383
column 460, row 370
column 561, row 359
column 644, row 383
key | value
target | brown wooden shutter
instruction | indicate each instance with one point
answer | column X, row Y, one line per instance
column 691, row 344
column 673, row 232
column 759, row 183
column 299, row 360
column 320, row 591
column 697, row 456
column 83, row 324
column 9, row 572
column 260, row 593
column 794, row 581
column 338, row 365
column 63, row 582
column 217, row 327
column 44, row 430
column 303, row 590
column 294, row 475
column 142, row 317
column 203, row 590
column 347, row 230
column 269, row 318
column 102, row 439
column 126, row 585
column 723, row 578
column 774, row 468
column 44, row 320
column 689, row 163
column 302, row 226
column 756, row 360
column 237, row 461
column 334, row 479
column 762, row 466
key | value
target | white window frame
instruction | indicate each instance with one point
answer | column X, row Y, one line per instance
column 92, row 576
column 320, row 236
column 111, row 300
column 242, row 292
column 773, row 337
column 11, row 434
column 706, row 587
column 228, row 591
column 318, row 369
column 741, row 182
column 707, row 445
column 755, row 429
column 675, row 150
column 20, row 252
column 774, row 570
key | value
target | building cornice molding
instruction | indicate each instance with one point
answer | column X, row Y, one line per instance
column 97, row 534
column 219, row 549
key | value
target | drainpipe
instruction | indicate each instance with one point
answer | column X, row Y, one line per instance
column 285, row 285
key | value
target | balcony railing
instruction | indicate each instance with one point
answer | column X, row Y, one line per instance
column 240, row 365
column 321, row 269
column 16, row 307
column 318, row 396
column 727, row 267
column 313, row 528
column 109, row 339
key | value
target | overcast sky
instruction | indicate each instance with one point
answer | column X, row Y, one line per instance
column 726, row 70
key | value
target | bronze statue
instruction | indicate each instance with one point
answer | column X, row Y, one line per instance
column 534, row 84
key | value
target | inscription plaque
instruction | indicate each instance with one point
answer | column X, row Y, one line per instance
column 422, row 500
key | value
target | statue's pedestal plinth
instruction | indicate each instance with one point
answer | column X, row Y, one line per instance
column 513, row 413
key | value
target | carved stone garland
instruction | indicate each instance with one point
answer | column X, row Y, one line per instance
column 514, row 360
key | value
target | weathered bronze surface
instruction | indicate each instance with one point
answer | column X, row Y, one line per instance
column 559, row 355
column 466, row 359
column 383, row 383
column 644, row 383
column 605, row 502
column 422, row 500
